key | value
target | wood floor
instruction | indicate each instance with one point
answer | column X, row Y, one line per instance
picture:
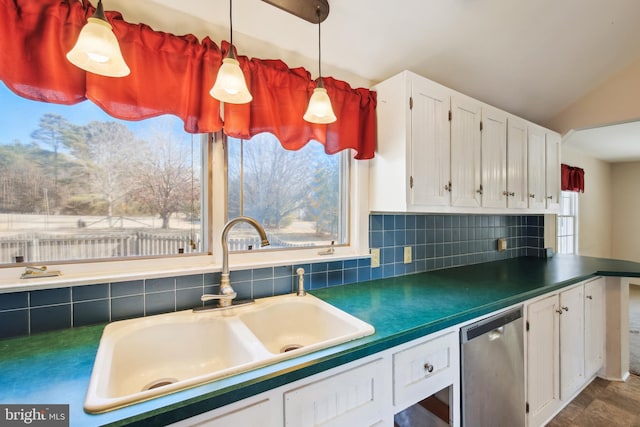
column 603, row 404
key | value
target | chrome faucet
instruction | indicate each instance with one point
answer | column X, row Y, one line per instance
column 227, row 294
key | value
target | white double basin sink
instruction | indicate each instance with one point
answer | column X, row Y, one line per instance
column 143, row 358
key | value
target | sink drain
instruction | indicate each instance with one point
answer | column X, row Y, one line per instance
column 290, row 347
column 159, row 383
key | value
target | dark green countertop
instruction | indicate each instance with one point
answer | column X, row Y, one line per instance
column 55, row 367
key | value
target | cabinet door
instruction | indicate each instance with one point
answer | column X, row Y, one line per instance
column 536, row 167
column 259, row 410
column 430, row 145
column 594, row 326
column 543, row 359
column 465, row 153
column 553, row 170
column 351, row 398
column 571, row 341
column 517, row 164
column 494, row 158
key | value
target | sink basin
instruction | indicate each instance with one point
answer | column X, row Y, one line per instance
column 300, row 324
column 139, row 359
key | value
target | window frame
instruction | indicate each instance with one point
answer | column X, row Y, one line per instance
column 83, row 272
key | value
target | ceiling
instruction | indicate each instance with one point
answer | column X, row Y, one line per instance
column 532, row 58
column 615, row 143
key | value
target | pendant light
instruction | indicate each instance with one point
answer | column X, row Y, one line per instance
column 97, row 49
column 230, row 85
column 319, row 109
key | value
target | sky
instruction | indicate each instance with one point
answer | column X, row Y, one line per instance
column 19, row 117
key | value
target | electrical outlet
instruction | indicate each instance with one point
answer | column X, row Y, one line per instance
column 407, row 254
column 375, row 257
column 502, row 244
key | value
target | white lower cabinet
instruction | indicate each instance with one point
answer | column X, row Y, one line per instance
column 261, row 410
column 565, row 347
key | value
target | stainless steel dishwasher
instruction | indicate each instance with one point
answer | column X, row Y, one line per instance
column 492, row 371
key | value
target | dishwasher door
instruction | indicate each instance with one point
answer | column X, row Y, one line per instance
column 492, row 371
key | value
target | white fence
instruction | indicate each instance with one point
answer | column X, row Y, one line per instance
column 45, row 247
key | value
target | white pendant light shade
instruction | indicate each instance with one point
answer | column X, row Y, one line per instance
column 230, row 85
column 97, row 49
column 320, row 109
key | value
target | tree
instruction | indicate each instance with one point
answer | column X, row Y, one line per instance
column 275, row 181
column 322, row 203
column 51, row 131
column 163, row 177
column 109, row 152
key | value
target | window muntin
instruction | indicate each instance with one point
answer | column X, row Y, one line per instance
column 568, row 223
column 77, row 184
column 300, row 197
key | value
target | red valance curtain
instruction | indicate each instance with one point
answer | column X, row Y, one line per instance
column 173, row 75
column 572, row 178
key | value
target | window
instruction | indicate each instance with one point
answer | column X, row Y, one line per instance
column 78, row 184
column 568, row 223
column 300, row 197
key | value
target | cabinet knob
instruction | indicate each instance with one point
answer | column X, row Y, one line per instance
column 448, row 186
column 559, row 311
column 428, row 367
column 550, row 197
column 505, row 193
column 533, row 196
column 480, row 190
column 565, row 308
column 512, row 193
column 589, row 297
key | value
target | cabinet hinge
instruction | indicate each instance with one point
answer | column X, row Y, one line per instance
column 526, row 408
column 410, row 182
column 480, row 126
column 449, row 115
column 411, row 102
column 527, row 325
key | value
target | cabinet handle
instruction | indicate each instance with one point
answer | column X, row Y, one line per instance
column 550, row 197
column 505, row 193
column 533, row 196
column 480, row 190
column 448, row 186
column 559, row 311
column 565, row 308
column 589, row 297
column 428, row 367
column 512, row 193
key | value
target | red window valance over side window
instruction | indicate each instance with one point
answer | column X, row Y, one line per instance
column 572, row 178
column 173, row 75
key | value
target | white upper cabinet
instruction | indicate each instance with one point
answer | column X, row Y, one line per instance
column 517, row 188
column 536, row 167
column 553, row 170
column 465, row 152
column 494, row 158
column 430, row 145
column 441, row 151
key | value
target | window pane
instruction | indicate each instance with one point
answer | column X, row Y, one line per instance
column 297, row 196
column 78, row 184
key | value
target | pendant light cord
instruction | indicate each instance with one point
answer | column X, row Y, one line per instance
column 231, row 22
column 319, row 45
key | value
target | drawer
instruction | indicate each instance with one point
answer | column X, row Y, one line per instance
column 424, row 369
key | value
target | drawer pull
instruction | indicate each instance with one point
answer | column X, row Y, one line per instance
column 589, row 297
column 428, row 367
column 565, row 308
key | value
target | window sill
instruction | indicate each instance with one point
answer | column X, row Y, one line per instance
column 120, row 271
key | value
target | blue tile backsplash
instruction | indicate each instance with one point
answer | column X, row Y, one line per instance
column 436, row 241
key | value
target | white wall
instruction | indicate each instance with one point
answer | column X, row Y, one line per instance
column 626, row 213
column 595, row 204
